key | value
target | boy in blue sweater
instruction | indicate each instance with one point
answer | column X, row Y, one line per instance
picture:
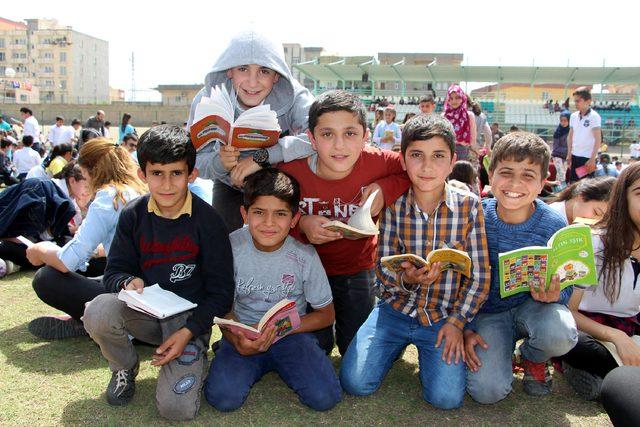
column 515, row 219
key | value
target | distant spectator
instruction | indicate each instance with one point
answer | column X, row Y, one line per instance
column 559, row 150
column 427, row 104
column 556, row 107
column 634, row 150
column 125, row 127
column 75, row 126
column 59, row 133
column 514, row 128
column 107, row 129
column 6, row 167
column 465, row 173
column 387, row 132
column 464, row 124
column 496, row 132
column 26, row 158
column 96, row 122
column 483, row 138
column 619, row 166
column 30, row 126
column 584, row 137
column 605, row 168
column 4, row 126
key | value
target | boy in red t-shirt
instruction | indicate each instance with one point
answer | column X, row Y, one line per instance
column 334, row 182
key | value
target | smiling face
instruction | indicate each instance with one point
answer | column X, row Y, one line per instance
column 455, row 100
column 168, row 184
column 428, row 164
column 516, row 185
column 269, row 220
column 252, row 83
column 339, row 138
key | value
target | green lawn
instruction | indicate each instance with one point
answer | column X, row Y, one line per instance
column 47, row 383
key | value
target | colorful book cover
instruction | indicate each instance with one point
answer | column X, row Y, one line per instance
column 569, row 254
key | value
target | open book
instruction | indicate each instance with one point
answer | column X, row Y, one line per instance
column 569, row 254
column 156, row 302
column 254, row 128
column 284, row 315
column 450, row 259
column 611, row 347
column 360, row 225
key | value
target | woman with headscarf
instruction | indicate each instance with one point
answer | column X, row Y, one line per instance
column 464, row 124
column 559, row 151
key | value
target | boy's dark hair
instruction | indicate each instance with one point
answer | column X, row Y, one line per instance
column 427, row 126
column 129, row 136
column 618, row 162
column 58, row 118
column 272, row 182
column 107, row 123
column 75, row 122
column 518, row 146
column 5, row 143
column 583, row 92
column 514, row 128
column 26, row 111
column 427, row 98
column 27, row 140
column 337, row 100
column 166, row 144
column 464, row 171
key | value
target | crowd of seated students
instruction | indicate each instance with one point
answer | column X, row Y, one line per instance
column 433, row 184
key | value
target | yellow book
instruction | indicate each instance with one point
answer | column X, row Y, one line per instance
column 450, row 259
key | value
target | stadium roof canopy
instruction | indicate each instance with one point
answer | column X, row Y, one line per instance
column 343, row 71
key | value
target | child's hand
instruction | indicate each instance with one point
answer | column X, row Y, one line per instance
column 136, row 284
column 311, row 226
column 247, row 347
column 628, row 350
column 453, row 343
column 471, row 339
column 229, row 156
column 378, row 202
column 172, row 347
column 550, row 295
column 243, row 169
column 424, row 276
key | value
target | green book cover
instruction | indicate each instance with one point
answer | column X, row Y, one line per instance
column 569, row 254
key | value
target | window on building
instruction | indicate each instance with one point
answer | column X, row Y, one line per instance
column 45, row 41
column 63, row 70
column 63, row 84
column 47, row 55
column 23, row 98
column 19, row 55
column 21, row 69
column 47, row 69
column 63, row 56
column 2, row 56
column 22, row 42
column 178, row 100
column 1, row 43
column 49, row 83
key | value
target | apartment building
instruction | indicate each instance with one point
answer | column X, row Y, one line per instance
column 66, row 66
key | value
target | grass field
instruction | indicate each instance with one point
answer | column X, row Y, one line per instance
column 54, row 383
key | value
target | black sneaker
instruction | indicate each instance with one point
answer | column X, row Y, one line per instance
column 585, row 384
column 57, row 327
column 122, row 386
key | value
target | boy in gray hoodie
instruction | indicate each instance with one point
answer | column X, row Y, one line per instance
column 253, row 68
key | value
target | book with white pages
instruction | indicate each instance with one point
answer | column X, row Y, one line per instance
column 360, row 225
column 156, row 302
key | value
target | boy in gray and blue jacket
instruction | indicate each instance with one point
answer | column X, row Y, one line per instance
column 253, row 68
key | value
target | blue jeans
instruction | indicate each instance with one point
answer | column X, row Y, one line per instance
column 381, row 339
column 549, row 330
column 298, row 360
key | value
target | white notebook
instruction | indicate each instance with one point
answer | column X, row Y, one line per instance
column 156, row 302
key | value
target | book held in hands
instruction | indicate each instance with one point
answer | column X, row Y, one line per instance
column 283, row 315
column 449, row 259
column 156, row 302
column 213, row 122
column 569, row 254
column 360, row 225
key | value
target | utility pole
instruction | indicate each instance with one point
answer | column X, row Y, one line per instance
column 133, row 78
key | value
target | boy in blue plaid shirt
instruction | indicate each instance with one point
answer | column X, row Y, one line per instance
column 422, row 306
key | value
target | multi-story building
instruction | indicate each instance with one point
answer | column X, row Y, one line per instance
column 66, row 65
column 178, row 95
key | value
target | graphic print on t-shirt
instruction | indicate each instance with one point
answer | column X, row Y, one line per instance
column 337, row 209
column 269, row 292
